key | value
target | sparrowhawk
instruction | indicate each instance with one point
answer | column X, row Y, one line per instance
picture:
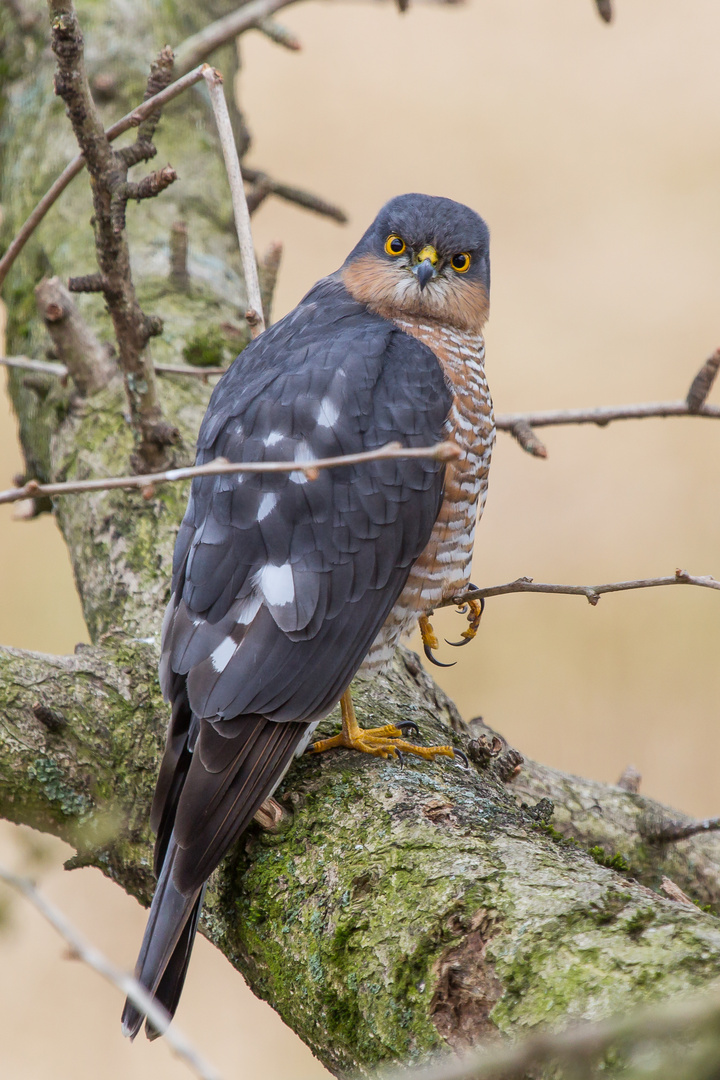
column 284, row 586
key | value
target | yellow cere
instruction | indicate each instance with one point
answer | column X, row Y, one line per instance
column 428, row 252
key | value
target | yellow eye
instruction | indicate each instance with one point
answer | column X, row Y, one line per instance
column 394, row 245
column 460, row 262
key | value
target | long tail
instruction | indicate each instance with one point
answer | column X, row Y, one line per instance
column 166, row 946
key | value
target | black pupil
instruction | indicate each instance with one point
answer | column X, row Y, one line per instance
column 396, row 244
column 459, row 261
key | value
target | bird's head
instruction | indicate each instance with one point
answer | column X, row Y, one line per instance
column 423, row 257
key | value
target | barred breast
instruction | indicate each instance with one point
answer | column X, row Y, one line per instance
column 443, row 568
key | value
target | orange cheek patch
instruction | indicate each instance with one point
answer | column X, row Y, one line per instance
column 386, row 288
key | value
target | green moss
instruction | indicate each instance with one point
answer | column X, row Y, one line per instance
column 207, row 348
column 638, row 922
column 612, row 862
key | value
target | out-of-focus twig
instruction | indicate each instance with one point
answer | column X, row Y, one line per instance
column 702, row 383
column 49, row 367
column 581, row 1044
column 81, row 949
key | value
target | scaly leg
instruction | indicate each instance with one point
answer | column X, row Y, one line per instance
column 385, row 742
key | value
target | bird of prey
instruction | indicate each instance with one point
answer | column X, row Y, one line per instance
column 284, row 586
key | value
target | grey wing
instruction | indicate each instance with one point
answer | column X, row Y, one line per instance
column 282, row 583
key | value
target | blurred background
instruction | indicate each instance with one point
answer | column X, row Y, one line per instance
column 593, row 153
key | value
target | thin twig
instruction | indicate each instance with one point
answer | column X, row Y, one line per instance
column 444, row 451
column 49, row 367
column 296, row 195
column 604, row 414
column 197, row 48
column 582, row 1042
column 592, row 593
column 254, row 314
column 702, row 383
column 76, row 166
column 130, row 987
column 669, row 832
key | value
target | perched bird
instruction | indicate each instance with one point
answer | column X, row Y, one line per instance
column 283, row 586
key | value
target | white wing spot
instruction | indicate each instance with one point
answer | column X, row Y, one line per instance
column 328, row 413
column 223, row 654
column 272, row 438
column 267, row 505
column 247, row 610
column 277, row 585
column 303, row 456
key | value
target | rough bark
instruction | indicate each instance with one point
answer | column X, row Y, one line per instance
column 395, row 912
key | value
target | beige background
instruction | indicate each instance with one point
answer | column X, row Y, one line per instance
column 593, row 153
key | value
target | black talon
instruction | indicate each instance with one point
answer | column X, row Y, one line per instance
column 432, row 659
column 400, row 757
column 408, row 725
column 458, row 644
column 463, row 757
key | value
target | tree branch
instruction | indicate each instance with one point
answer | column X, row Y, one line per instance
column 481, row 890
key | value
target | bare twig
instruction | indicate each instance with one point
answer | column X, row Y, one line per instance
column 130, row 987
column 630, row 780
column 605, row 10
column 528, row 439
column 178, row 255
column 584, row 1042
column 47, row 367
column 76, row 166
column 110, row 192
column 603, row 415
column 87, row 360
column 197, row 48
column 666, row 831
column 296, row 195
column 444, row 451
column 592, row 593
column 254, row 314
column 279, row 34
column 268, row 269
column 702, row 383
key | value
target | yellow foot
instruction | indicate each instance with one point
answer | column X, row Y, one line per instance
column 384, row 742
column 430, row 641
column 474, row 609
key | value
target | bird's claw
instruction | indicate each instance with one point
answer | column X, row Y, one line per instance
column 430, row 641
column 474, row 609
column 462, row 756
column 408, row 725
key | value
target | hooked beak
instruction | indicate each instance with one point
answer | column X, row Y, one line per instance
column 424, row 269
